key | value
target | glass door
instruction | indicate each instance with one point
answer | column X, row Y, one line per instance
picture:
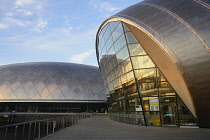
column 168, row 114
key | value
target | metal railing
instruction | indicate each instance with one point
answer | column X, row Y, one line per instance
column 35, row 130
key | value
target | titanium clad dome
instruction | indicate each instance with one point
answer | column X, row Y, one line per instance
column 50, row 81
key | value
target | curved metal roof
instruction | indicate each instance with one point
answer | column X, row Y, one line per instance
column 176, row 35
column 51, row 81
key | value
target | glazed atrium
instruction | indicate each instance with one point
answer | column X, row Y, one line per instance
column 154, row 63
column 127, row 68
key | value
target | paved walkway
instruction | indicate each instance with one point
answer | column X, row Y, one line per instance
column 102, row 128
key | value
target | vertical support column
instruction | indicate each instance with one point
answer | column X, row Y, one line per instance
column 72, row 120
column 34, row 130
column 47, row 127
column 54, row 125
column 15, row 135
column 29, row 134
column 5, row 136
column 23, row 132
column 39, row 131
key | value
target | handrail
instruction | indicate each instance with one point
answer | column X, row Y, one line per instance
column 34, row 130
column 17, row 124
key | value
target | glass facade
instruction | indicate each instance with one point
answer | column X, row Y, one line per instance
column 52, row 107
column 137, row 92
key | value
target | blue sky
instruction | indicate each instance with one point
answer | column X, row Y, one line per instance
column 53, row 30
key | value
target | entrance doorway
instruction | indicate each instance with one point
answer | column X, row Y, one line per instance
column 169, row 113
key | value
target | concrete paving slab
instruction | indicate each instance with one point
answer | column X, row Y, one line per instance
column 102, row 128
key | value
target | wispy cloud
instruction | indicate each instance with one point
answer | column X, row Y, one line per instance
column 79, row 58
column 103, row 6
column 67, row 30
column 27, row 6
column 46, row 46
column 10, row 21
column 25, row 12
column 22, row 3
column 56, row 40
column 40, row 25
column 9, row 14
column 3, row 26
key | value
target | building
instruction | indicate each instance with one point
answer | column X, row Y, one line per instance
column 51, row 87
column 155, row 62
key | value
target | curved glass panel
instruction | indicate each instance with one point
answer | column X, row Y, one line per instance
column 120, row 43
column 107, row 33
column 141, row 62
column 125, row 28
column 113, row 25
column 130, row 38
column 136, row 49
column 122, row 55
column 117, row 32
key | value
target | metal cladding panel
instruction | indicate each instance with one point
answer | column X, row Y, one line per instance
column 182, row 28
column 50, row 81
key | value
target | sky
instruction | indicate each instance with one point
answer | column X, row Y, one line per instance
column 53, row 30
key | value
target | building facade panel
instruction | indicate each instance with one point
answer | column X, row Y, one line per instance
column 47, row 81
column 51, row 87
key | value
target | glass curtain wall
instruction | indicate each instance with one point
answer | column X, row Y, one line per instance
column 137, row 92
column 53, row 107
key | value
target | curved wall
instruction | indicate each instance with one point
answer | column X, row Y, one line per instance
column 51, row 82
column 176, row 35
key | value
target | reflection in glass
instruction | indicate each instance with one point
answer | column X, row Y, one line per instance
column 109, row 42
column 117, row 83
column 153, row 118
column 110, row 86
column 141, row 62
column 125, row 28
column 120, row 43
column 127, row 77
column 125, row 66
column 101, row 44
column 111, row 51
column 107, row 33
column 136, row 49
column 129, row 88
column 185, row 117
column 130, row 38
column 117, row 32
column 113, row 25
column 103, row 51
column 122, row 55
column 145, row 74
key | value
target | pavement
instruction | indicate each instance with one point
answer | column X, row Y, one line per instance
column 102, row 128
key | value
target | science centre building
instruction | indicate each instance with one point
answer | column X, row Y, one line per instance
column 154, row 57
column 51, row 87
